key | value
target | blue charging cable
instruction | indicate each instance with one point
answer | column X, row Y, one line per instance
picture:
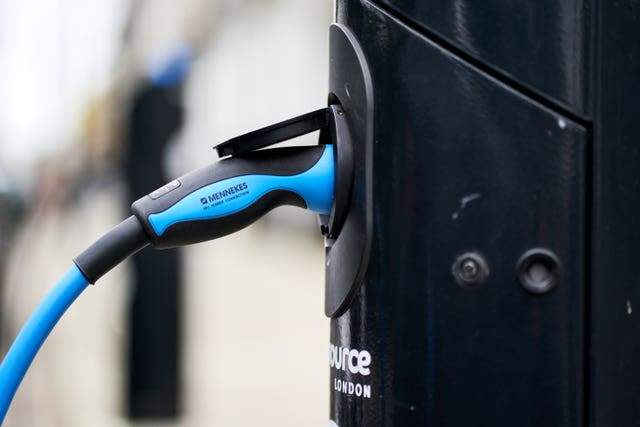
column 205, row 204
column 34, row 332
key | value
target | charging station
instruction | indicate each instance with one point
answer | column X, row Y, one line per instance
column 477, row 185
column 500, row 282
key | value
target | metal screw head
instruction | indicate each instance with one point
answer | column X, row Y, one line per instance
column 470, row 269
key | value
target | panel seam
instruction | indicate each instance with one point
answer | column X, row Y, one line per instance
column 475, row 63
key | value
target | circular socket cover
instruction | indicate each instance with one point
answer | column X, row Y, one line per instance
column 538, row 270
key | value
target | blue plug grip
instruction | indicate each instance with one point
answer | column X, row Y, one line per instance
column 228, row 196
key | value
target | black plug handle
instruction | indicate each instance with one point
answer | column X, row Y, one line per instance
column 229, row 195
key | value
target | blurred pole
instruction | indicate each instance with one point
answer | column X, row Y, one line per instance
column 11, row 212
column 153, row 387
column 153, row 375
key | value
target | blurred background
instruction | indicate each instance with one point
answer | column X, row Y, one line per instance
column 104, row 101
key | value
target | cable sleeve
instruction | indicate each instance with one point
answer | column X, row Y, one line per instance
column 34, row 332
column 124, row 240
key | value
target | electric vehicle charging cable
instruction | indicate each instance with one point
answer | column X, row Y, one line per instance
column 205, row 204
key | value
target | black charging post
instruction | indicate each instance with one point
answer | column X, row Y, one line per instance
column 488, row 275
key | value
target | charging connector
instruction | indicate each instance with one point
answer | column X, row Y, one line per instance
column 205, row 204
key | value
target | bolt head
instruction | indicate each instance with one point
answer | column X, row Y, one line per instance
column 470, row 269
